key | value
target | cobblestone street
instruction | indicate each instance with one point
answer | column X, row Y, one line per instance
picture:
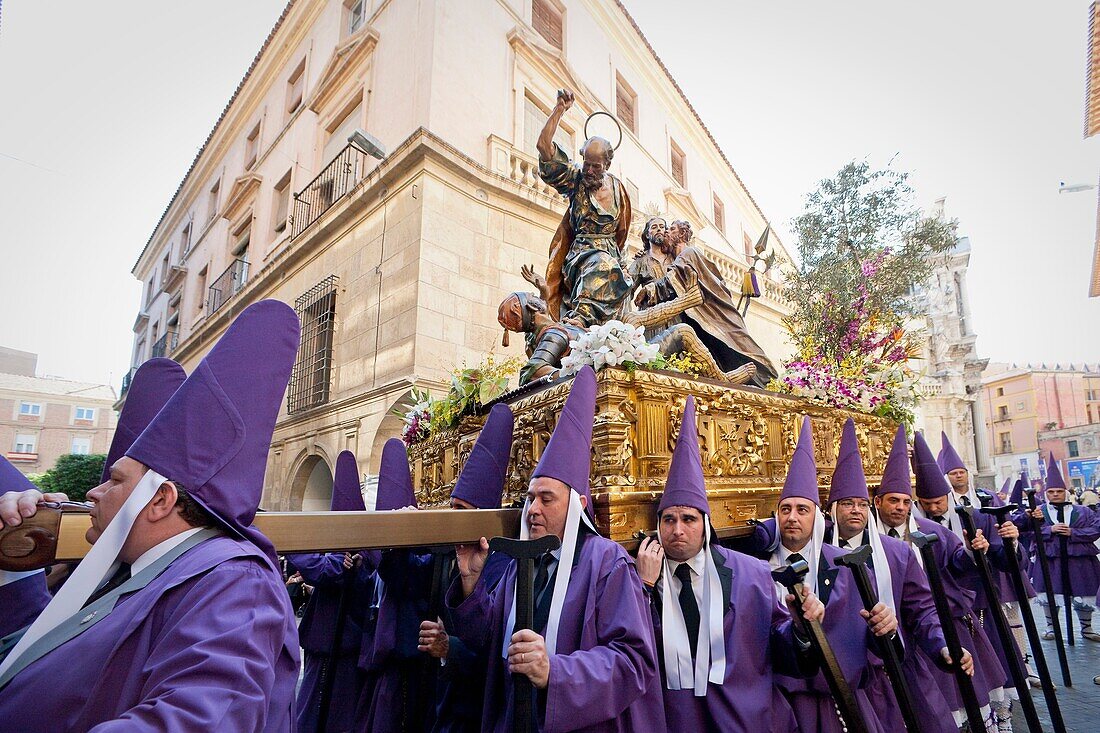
column 1080, row 704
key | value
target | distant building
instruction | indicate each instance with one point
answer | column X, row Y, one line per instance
column 1032, row 409
column 952, row 369
column 397, row 267
column 43, row 418
column 1077, row 450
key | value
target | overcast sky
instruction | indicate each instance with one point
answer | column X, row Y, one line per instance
column 106, row 104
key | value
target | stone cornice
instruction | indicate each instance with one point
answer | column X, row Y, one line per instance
column 344, row 64
column 241, row 195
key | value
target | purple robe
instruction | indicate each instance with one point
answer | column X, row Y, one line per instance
column 923, row 638
column 759, row 640
column 209, row 644
column 326, row 573
column 604, row 675
column 21, row 601
column 954, row 563
column 1084, row 568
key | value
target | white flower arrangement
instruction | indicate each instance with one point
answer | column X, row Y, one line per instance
column 609, row 344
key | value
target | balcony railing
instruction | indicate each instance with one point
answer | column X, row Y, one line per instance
column 228, row 284
column 332, row 184
column 126, row 379
column 166, row 344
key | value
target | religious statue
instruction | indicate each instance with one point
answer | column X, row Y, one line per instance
column 716, row 321
column 650, row 262
column 586, row 279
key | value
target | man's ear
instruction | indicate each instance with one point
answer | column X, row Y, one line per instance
column 584, row 501
column 163, row 503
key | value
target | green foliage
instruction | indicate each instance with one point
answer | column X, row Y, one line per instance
column 72, row 475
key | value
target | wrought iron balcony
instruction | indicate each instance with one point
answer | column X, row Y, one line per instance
column 166, row 344
column 126, row 379
column 228, row 284
column 334, row 182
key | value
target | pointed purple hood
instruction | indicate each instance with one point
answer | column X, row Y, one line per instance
column 568, row 454
column 948, row 459
column 154, row 382
column 481, row 482
column 895, row 477
column 395, row 484
column 931, row 483
column 214, row 433
column 1005, row 486
column 1054, row 474
column 849, row 481
column 1017, row 496
column 346, row 494
column 12, row 479
column 802, row 474
column 685, row 485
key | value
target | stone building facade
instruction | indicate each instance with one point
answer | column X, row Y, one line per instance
column 44, row 418
column 397, row 265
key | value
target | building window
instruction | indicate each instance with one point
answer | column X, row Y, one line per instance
column 679, row 164
column 295, row 88
column 212, row 199
column 165, row 264
column 1006, row 442
column 85, row 413
column 357, row 15
column 30, row 409
column 546, row 17
column 201, row 289
column 281, row 203
column 626, row 105
column 341, row 131
column 747, row 244
column 241, row 237
column 81, row 446
column 1000, row 391
column 719, row 215
column 26, row 443
column 185, row 239
column 534, row 119
column 150, row 288
column 252, row 147
column 1002, row 412
column 1071, row 447
column 632, row 192
column 309, row 381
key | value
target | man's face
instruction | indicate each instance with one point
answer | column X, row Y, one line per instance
column 1056, row 496
column 796, row 522
column 681, row 530
column 548, row 507
column 594, row 166
column 893, row 509
column 457, row 503
column 108, row 497
column 851, row 517
column 959, row 478
column 657, row 233
column 934, row 507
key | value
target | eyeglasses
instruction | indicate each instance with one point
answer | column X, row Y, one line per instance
column 854, row 504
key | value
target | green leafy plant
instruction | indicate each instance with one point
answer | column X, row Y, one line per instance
column 72, row 475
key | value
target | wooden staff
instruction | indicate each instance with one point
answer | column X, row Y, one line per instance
column 1052, row 601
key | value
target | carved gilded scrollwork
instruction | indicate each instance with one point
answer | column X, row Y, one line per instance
column 746, row 440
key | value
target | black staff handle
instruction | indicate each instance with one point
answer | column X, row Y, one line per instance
column 1000, row 513
column 965, row 682
column 790, row 577
column 1004, row 633
column 1067, row 590
column 1052, row 600
column 890, row 649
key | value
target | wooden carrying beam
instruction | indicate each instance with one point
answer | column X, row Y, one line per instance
column 53, row 536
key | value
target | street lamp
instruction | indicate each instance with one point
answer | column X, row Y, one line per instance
column 1074, row 187
column 367, row 143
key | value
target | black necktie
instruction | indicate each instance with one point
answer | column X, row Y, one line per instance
column 689, row 606
column 938, row 520
column 544, row 593
column 121, row 576
column 794, row 557
column 894, row 533
column 1061, row 514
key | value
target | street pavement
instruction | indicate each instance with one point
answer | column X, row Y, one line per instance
column 1080, row 704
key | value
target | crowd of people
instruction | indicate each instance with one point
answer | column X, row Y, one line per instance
column 179, row 618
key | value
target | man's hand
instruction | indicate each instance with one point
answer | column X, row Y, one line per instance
column 351, row 560
column 979, row 543
column 1036, row 513
column 296, row 578
column 812, row 608
column 967, row 660
column 433, row 639
column 650, row 558
column 471, row 559
column 1008, row 531
column 1061, row 528
column 565, row 100
column 527, row 656
column 15, row 506
column 880, row 619
column 536, row 279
